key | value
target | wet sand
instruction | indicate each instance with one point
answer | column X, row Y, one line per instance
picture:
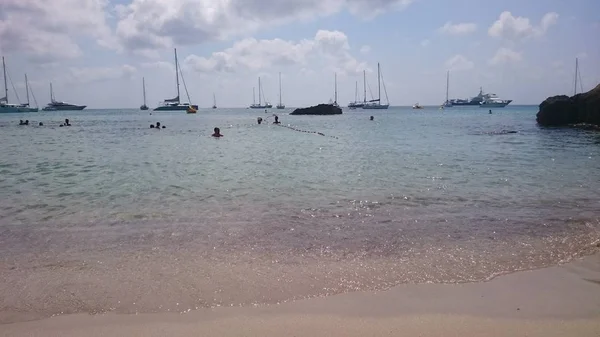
column 556, row 301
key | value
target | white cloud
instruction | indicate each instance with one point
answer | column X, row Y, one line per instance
column 505, row 55
column 458, row 63
column 151, row 24
column 47, row 30
column 510, row 27
column 159, row 65
column 365, row 49
column 96, row 74
column 457, row 29
column 425, row 43
column 255, row 55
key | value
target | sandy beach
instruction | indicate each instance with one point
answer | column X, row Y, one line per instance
column 556, row 301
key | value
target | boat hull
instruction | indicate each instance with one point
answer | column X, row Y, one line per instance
column 376, row 106
column 281, row 107
column 9, row 110
column 465, row 103
column 268, row 106
column 355, row 105
column 495, row 104
column 17, row 109
column 65, row 108
column 144, row 107
column 175, row 108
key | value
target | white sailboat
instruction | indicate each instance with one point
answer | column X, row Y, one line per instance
column 375, row 104
column 267, row 105
column 335, row 103
column 144, row 106
column 447, row 103
column 357, row 103
column 174, row 104
column 280, row 105
column 5, row 106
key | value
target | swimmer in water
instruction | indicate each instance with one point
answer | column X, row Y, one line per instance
column 259, row 120
column 217, row 133
column 41, row 124
column 27, row 122
column 372, row 118
column 158, row 125
column 21, row 122
column 67, row 122
column 490, row 111
column 276, row 120
column 151, row 126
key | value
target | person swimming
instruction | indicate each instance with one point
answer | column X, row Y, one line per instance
column 490, row 111
column 259, row 120
column 372, row 118
column 217, row 133
column 26, row 122
column 21, row 122
column 41, row 124
column 158, row 125
column 151, row 126
column 67, row 122
column 276, row 120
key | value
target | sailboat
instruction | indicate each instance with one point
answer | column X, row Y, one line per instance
column 25, row 107
column 334, row 103
column 356, row 103
column 8, row 107
column 174, row 104
column 214, row 101
column 144, row 106
column 4, row 105
column 447, row 103
column 376, row 103
column 280, row 105
column 55, row 105
column 577, row 77
column 267, row 105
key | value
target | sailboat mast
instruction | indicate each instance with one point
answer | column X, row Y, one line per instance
column 447, row 84
column 576, row 71
column 280, row 89
column 364, row 86
column 144, row 89
column 335, row 94
column 177, row 74
column 51, row 93
column 5, row 85
column 356, row 92
column 259, row 91
column 27, row 89
column 253, row 95
column 379, row 82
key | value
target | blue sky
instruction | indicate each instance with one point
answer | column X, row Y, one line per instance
column 96, row 51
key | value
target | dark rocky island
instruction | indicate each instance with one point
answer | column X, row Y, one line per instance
column 321, row 109
column 566, row 111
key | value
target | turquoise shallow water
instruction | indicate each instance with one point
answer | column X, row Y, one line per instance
column 115, row 213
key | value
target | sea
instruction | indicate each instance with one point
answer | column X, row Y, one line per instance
column 109, row 215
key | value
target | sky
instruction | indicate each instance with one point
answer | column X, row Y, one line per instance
column 96, row 52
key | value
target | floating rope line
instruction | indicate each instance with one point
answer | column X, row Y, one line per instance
column 305, row 131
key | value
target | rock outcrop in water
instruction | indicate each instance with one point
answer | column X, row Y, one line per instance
column 321, row 109
column 563, row 110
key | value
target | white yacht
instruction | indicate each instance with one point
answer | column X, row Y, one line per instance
column 492, row 101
